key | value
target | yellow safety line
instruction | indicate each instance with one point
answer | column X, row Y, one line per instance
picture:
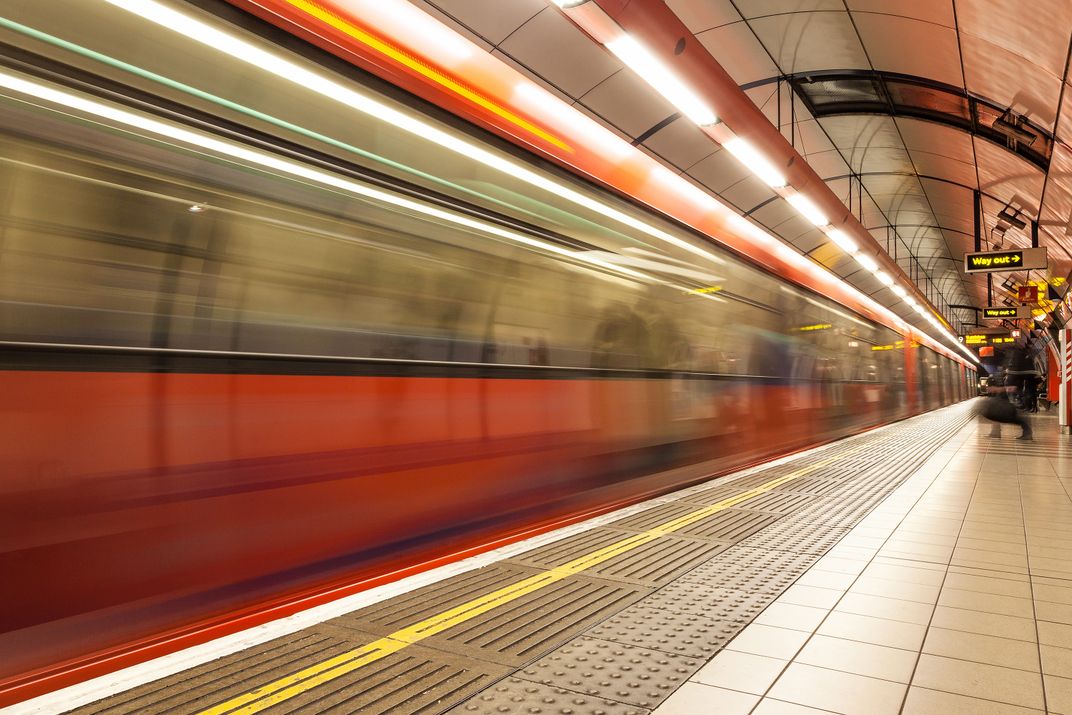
column 297, row 683
column 407, row 60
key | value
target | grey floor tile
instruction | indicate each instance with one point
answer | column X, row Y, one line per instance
column 866, row 629
column 874, row 661
column 1059, row 694
column 696, row 698
column 988, row 602
column 1056, row 661
column 991, row 624
column 922, row 701
column 770, row 641
column 837, row 691
column 891, row 609
column 740, row 671
column 992, row 650
column 988, row 682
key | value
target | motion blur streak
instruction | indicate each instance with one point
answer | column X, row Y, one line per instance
column 225, row 42
column 240, row 363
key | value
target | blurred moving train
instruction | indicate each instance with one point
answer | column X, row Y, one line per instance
column 255, row 348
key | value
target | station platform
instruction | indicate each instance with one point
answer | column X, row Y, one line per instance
column 924, row 567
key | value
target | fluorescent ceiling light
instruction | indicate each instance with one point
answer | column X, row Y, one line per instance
column 899, row 291
column 884, row 278
column 755, row 162
column 807, row 209
column 842, row 239
column 662, row 79
column 866, row 261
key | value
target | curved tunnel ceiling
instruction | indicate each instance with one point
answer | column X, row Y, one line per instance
column 906, row 173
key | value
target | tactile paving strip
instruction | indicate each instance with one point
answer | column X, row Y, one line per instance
column 728, row 525
column 777, row 502
column 694, row 635
column 411, row 680
column 514, row 695
column 797, row 537
column 651, row 564
column 626, row 674
column 532, row 625
column 702, row 599
column 751, row 570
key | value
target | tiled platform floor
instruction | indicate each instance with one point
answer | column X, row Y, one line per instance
column 953, row 596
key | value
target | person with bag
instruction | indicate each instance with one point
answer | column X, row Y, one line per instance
column 1000, row 410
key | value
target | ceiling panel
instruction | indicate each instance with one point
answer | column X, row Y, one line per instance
column 1009, row 80
column 492, row 26
column 1038, row 32
column 1057, row 202
column 852, row 132
column 700, row 15
column 759, row 8
column 719, row 171
column 805, row 41
column 887, row 184
column 828, row 164
column 681, row 143
column 809, row 137
column 748, row 193
column 880, row 160
column 1007, row 176
column 773, row 214
column 743, row 57
column 615, row 99
column 555, row 49
column 886, row 36
column 936, row 138
column 936, row 11
column 942, row 167
column 1064, row 121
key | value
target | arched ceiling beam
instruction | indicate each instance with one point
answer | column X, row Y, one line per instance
column 854, row 91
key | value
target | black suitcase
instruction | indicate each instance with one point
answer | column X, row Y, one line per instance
column 998, row 409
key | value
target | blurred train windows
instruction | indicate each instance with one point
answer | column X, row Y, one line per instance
column 101, row 247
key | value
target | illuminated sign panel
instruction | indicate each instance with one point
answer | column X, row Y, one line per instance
column 995, row 261
column 1003, row 313
column 1028, row 294
column 988, row 339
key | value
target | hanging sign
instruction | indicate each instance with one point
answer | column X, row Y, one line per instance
column 995, row 261
column 995, row 313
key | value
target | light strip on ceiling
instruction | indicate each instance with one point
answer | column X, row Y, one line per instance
column 755, row 162
column 652, row 70
column 867, row 261
column 807, row 208
column 843, row 241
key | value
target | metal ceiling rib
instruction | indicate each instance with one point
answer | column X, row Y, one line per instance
column 983, row 48
column 905, row 176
